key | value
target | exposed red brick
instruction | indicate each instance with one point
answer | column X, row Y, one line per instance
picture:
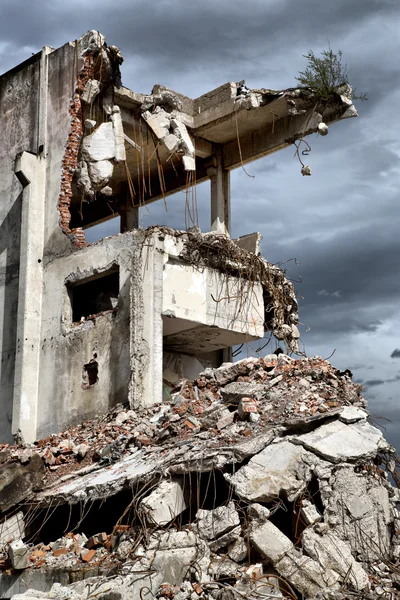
column 70, row 159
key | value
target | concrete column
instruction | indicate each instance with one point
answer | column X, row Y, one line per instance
column 30, row 170
column 146, row 386
column 129, row 217
column 220, row 194
column 43, row 99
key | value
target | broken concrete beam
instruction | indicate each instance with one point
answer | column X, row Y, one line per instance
column 279, row 468
column 180, row 130
column 99, row 145
column 269, row 541
column 18, row 553
column 90, row 91
column 309, row 513
column 236, row 391
column 116, row 120
column 12, row 529
column 168, row 500
column 211, row 524
column 306, row 574
column 333, row 553
column 338, row 442
column 189, row 163
column 18, row 481
column 159, row 122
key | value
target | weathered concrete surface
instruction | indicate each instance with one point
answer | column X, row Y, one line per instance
column 17, row 481
column 279, row 469
column 99, row 145
column 357, row 508
column 234, row 392
column 172, row 553
column 269, row 541
column 306, row 574
column 332, row 553
column 212, row 524
column 352, row 414
column 12, row 528
column 168, row 500
column 18, row 553
column 338, row 442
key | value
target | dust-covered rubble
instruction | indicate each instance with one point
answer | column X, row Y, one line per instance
column 206, row 501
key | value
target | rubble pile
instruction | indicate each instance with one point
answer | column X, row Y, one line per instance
column 260, row 479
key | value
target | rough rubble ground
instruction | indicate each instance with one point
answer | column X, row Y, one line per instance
column 300, row 442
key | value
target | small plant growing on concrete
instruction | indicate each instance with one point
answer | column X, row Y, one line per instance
column 324, row 74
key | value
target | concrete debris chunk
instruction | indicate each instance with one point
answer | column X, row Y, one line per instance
column 338, row 442
column 168, row 500
column 99, row 145
column 309, row 512
column 269, row 541
column 279, row 468
column 235, row 392
column 225, row 539
column 100, row 173
column 12, row 528
column 18, row 553
column 90, row 91
column 306, row 574
column 172, row 553
column 238, row 550
column 212, row 524
column 180, row 130
column 159, row 122
column 352, row 414
column 357, row 509
column 189, row 163
column 333, row 553
column 17, row 481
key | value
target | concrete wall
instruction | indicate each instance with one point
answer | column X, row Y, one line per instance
column 66, row 346
column 19, row 98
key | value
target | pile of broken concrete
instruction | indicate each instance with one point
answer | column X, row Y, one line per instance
column 261, row 479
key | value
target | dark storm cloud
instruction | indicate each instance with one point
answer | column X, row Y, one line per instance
column 238, row 38
column 373, row 382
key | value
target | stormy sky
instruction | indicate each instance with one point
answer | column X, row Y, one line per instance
column 342, row 224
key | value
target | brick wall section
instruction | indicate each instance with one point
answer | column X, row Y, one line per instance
column 70, row 159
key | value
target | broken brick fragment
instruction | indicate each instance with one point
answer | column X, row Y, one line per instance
column 87, row 555
column 99, row 539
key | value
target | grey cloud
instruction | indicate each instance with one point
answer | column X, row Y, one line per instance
column 395, row 353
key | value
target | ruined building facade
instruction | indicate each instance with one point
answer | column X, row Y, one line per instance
column 85, row 326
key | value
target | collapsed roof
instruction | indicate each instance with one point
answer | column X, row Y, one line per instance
column 262, row 477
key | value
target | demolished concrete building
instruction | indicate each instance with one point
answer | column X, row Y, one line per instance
column 179, row 474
